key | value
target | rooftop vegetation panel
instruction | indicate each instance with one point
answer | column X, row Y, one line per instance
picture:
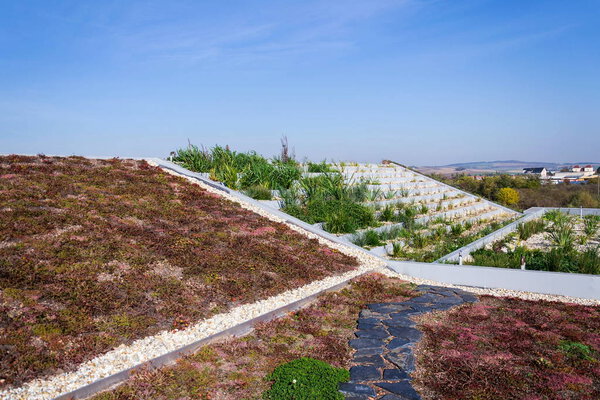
column 568, row 244
column 238, row 368
column 96, row 253
column 507, row 348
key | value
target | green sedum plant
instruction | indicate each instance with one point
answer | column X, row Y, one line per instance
column 306, row 379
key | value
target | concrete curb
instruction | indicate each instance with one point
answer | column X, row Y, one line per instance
column 544, row 282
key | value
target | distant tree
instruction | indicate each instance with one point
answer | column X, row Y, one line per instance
column 488, row 187
column 508, row 196
column 505, row 180
column 583, row 199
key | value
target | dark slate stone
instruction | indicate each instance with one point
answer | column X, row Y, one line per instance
column 426, row 298
column 450, row 300
column 386, row 308
column 366, row 343
column 374, row 360
column 356, row 389
column 405, row 333
column 357, row 397
column 400, row 322
column 368, row 352
column 370, row 314
column 423, row 307
column 365, row 326
column 389, row 397
column 404, row 313
column 469, row 298
column 394, row 374
column 403, row 388
column 363, row 373
column 373, row 321
column 403, row 358
column 397, row 342
column 373, row 333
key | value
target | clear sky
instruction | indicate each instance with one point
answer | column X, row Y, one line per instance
column 421, row 82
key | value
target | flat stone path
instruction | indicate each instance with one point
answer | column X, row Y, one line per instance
column 385, row 339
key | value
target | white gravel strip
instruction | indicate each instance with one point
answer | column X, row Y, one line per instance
column 143, row 350
column 493, row 292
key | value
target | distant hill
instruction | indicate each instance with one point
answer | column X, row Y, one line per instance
column 487, row 167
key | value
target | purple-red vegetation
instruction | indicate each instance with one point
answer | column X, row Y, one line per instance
column 236, row 369
column 511, row 349
column 95, row 253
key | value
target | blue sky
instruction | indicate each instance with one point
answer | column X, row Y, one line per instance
column 421, row 82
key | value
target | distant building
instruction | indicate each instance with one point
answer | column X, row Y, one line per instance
column 575, row 174
column 541, row 171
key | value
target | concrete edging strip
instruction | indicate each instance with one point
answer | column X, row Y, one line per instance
column 544, row 282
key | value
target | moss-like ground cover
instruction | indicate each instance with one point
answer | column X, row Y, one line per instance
column 238, row 368
column 511, row 349
column 95, row 253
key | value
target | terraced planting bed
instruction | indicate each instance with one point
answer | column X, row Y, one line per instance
column 556, row 242
column 425, row 242
column 387, row 208
column 98, row 253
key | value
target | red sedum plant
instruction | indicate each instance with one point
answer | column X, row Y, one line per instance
column 511, row 349
column 96, row 253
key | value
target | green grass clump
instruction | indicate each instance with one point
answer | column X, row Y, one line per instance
column 240, row 170
column 530, row 228
column 320, row 167
column 369, row 238
column 387, row 214
column 327, row 198
column 590, row 224
column 576, row 350
column 306, row 379
column 259, row 193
